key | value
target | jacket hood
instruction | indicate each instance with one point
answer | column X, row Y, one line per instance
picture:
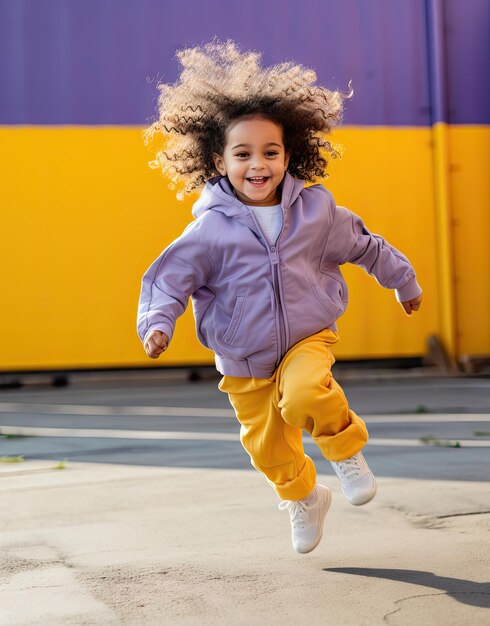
column 218, row 195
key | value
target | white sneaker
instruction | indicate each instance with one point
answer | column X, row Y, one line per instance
column 356, row 479
column 307, row 517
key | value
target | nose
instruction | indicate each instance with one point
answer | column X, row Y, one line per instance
column 257, row 163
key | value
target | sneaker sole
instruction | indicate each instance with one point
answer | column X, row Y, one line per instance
column 321, row 522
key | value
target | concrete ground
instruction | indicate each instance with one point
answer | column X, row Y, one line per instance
column 156, row 517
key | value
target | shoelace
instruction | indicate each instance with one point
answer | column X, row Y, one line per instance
column 297, row 512
column 350, row 469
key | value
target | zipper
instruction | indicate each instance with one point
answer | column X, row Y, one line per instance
column 282, row 337
column 277, row 293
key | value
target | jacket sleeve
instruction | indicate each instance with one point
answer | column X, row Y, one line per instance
column 349, row 241
column 176, row 274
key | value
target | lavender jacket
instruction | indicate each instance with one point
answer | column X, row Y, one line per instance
column 253, row 301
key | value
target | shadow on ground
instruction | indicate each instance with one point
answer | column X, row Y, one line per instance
column 464, row 591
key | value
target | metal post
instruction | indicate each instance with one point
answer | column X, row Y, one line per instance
column 444, row 223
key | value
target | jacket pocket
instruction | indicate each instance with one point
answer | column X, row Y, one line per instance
column 235, row 319
column 338, row 285
column 332, row 307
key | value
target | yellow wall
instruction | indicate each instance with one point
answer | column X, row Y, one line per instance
column 469, row 155
column 385, row 176
column 83, row 216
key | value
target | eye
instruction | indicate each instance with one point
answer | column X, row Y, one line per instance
column 271, row 153
column 242, row 155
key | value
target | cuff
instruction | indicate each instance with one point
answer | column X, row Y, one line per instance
column 409, row 291
column 164, row 327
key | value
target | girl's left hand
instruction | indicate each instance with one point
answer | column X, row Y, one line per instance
column 412, row 305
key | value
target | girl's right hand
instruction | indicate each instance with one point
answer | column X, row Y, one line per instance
column 155, row 344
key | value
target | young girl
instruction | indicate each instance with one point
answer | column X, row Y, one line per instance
column 261, row 262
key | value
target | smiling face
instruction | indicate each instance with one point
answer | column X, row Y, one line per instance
column 254, row 160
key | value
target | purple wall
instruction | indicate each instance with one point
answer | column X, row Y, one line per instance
column 96, row 61
column 467, row 30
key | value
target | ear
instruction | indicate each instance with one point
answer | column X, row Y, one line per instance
column 286, row 161
column 219, row 163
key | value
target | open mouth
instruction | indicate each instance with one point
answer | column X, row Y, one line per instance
column 258, row 181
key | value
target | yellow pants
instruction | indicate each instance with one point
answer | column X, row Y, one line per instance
column 300, row 395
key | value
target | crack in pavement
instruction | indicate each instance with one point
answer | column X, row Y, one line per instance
column 417, row 595
column 419, row 520
column 31, row 587
column 461, row 514
column 454, row 595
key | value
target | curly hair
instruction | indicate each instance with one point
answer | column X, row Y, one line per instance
column 219, row 84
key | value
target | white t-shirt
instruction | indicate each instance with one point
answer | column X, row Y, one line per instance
column 269, row 218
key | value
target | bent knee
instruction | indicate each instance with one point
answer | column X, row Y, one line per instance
column 312, row 402
column 300, row 401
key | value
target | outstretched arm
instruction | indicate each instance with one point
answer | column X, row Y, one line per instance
column 349, row 241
